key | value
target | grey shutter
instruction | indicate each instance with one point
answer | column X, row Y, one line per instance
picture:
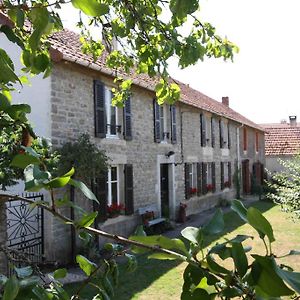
column 204, row 177
column 212, row 124
column 229, row 137
column 173, row 124
column 229, row 174
column 262, row 175
column 156, row 112
column 222, row 176
column 187, row 181
column 129, row 202
column 99, row 188
column 99, row 109
column 199, row 179
column 127, row 120
column 213, row 175
column 203, row 130
column 221, row 132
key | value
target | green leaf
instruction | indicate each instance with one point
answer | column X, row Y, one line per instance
column 84, row 189
column 267, row 278
column 60, row 273
column 260, row 223
column 61, row 181
column 4, row 102
column 29, row 282
column 87, row 220
column 91, row 7
column 183, row 7
column 11, row 288
column 239, row 258
column 85, row 265
column 162, row 256
column 215, row 225
column 291, row 278
column 192, row 234
column 23, row 160
column 23, row 272
column 215, row 267
column 210, row 289
column 240, row 209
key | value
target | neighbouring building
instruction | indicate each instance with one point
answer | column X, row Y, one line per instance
column 164, row 155
column 282, row 141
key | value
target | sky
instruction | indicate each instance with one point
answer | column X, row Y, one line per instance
column 263, row 81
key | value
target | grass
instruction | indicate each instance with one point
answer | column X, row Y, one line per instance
column 155, row 279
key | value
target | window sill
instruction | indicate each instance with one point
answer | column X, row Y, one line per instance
column 115, row 141
column 120, row 218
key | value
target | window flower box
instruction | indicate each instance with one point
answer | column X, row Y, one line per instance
column 115, row 210
column 193, row 191
column 209, row 188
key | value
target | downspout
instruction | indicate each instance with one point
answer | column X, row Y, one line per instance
column 239, row 154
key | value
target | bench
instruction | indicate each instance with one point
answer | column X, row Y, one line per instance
column 149, row 215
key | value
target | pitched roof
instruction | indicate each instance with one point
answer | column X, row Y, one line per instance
column 282, row 139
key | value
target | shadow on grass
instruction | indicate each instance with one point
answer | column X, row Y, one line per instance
column 149, row 270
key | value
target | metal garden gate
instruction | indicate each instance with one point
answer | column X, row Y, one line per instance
column 25, row 228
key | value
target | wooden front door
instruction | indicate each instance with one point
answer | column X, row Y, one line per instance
column 164, row 190
column 246, row 177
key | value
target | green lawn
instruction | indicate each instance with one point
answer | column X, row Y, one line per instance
column 156, row 279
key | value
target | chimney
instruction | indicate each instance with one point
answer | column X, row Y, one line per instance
column 225, row 101
column 293, row 120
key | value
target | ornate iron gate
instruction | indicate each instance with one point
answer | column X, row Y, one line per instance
column 25, row 227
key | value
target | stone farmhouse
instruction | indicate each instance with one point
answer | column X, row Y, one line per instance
column 282, row 141
column 162, row 155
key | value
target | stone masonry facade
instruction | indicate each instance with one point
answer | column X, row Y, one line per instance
column 72, row 113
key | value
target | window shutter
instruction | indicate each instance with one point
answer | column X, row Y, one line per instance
column 199, row 179
column 229, row 174
column 212, row 124
column 173, row 124
column 213, row 175
column 129, row 202
column 127, row 120
column 204, row 178
column 99, row 109
column 187, row 181
column 203, row 130
column 245, row 139
column 262, row 174
column 99, row 188
column 221, row 131
column 229, row 137
column 156, row 111
column 222, row 176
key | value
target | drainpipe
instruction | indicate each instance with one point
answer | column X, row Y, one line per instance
column 238, row 145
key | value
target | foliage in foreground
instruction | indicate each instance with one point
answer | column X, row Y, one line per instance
column 284, row 187
column 205, row 277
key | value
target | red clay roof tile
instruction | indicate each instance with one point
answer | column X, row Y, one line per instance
column 281, row 139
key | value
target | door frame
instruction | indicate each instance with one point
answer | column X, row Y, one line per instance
column 162, row 159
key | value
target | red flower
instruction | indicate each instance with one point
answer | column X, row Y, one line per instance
column 226, row 184
column 115, row 209
column 209, row 187
column 193, row 190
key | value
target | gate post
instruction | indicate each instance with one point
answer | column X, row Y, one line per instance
column 3, row 238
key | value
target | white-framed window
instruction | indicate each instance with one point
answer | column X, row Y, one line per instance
column 112, row 128
column 193, row 175
column 164, row 128
column 113, row 186
column 209, row 180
